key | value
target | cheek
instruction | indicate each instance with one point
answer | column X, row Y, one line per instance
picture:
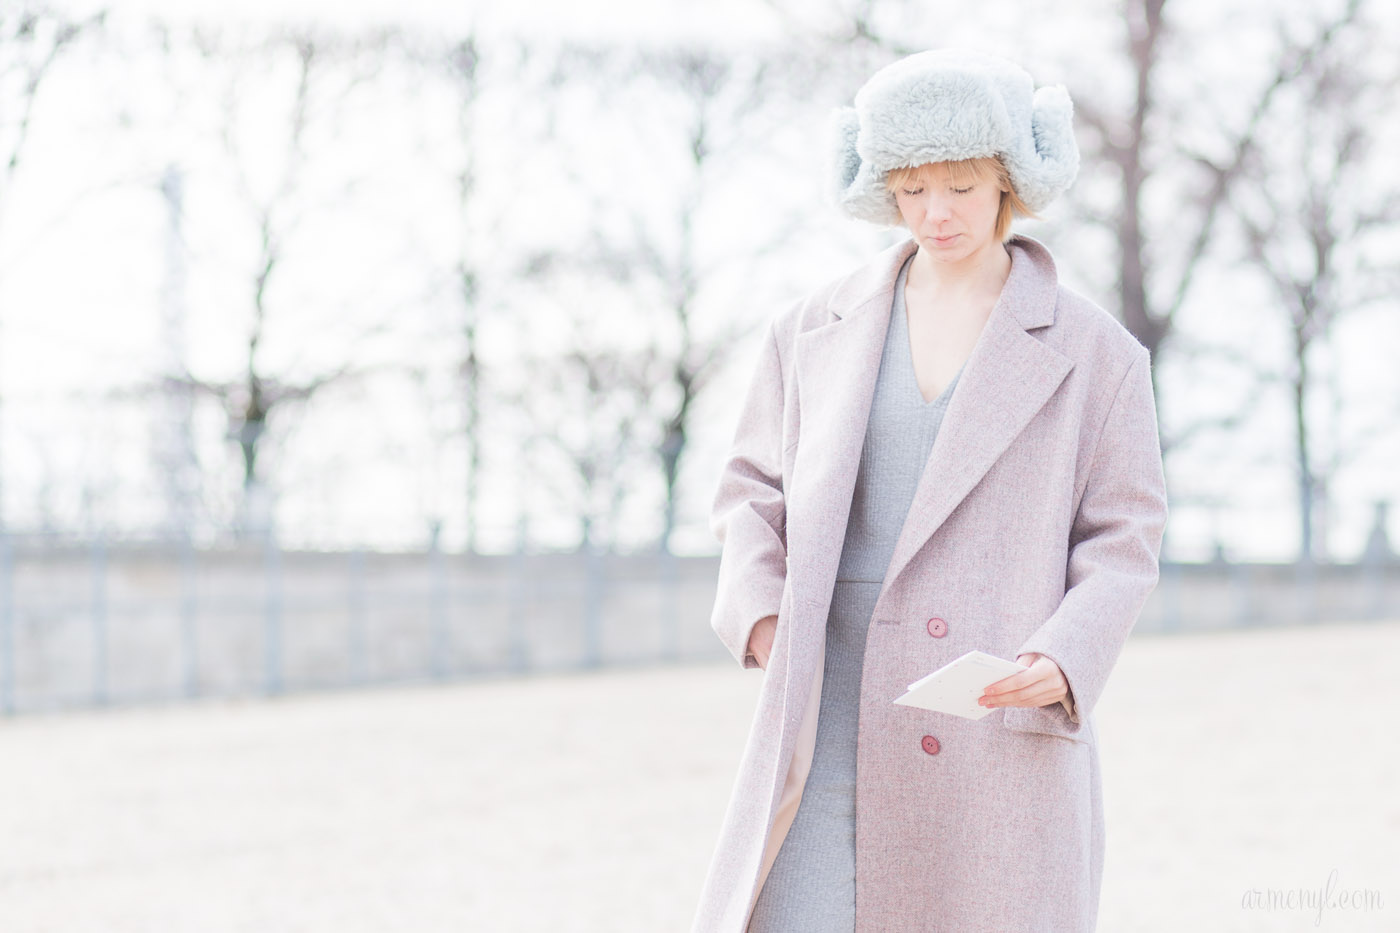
column 987, row 212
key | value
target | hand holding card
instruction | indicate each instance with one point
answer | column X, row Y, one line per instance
column 955, row 687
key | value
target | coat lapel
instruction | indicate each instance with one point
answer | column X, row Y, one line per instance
column 837, row 365
column 1007, row 379
column 1009, row 376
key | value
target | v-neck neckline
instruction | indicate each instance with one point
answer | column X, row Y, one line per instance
column 902, row 308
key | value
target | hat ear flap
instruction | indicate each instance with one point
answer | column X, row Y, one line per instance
column 1052, row 127
column 843, row 161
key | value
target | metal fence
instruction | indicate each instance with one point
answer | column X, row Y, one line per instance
column 97, row 623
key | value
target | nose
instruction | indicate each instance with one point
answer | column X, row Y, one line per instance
column 937, row 207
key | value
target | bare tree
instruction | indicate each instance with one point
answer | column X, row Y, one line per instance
column 33, row 36
column 462, row 65
column 326, row 71
column 589, row 433
column 1154, row 278
column 713, row 109
column 1310, row 198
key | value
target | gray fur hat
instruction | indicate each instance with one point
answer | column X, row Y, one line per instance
column 949, row 105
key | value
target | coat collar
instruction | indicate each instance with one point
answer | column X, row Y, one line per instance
column 1008, row 378
column 1029, row 293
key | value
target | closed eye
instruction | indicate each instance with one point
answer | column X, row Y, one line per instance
column 915, row 191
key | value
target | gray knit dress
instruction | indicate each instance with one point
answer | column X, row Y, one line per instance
column 811, row 886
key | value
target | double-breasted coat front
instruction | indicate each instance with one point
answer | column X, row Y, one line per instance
column 1036, row 527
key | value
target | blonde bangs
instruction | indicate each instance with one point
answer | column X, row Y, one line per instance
column 960, row 173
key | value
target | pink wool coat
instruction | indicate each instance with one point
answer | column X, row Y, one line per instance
column 1036, row 527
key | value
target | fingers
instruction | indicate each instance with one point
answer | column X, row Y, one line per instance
column 1037, row 695
column 1044, row 683
column 1027, row 678
column 761, row 639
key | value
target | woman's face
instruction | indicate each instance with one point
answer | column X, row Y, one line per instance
column 950, row 221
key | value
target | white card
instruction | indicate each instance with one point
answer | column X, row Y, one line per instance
column 955, row 687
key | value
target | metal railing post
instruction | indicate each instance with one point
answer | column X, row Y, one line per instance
column 97, row 566
column 670, row 612
column 517, row 638
column 7, row 626
column 189, row 615
column 357, row 631
column 1305, row 584
column 592, row 606
column 272, row 623
column 437, row 611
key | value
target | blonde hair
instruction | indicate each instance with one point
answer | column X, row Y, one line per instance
column 962, row 173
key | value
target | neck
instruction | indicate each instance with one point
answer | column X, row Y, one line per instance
column 984, row 271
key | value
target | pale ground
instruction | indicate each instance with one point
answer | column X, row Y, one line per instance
column 1232, row 761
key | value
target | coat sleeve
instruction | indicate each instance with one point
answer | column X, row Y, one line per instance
column 1115, row 543
column 749, row 516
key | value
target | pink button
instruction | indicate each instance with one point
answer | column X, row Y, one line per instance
column 937, row 628
column 930, row 745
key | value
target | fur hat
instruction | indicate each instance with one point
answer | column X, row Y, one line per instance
column 949, row 105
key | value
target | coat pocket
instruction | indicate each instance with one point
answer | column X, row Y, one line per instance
column 1046, row 720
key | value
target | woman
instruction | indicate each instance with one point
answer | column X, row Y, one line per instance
column 944, row 450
